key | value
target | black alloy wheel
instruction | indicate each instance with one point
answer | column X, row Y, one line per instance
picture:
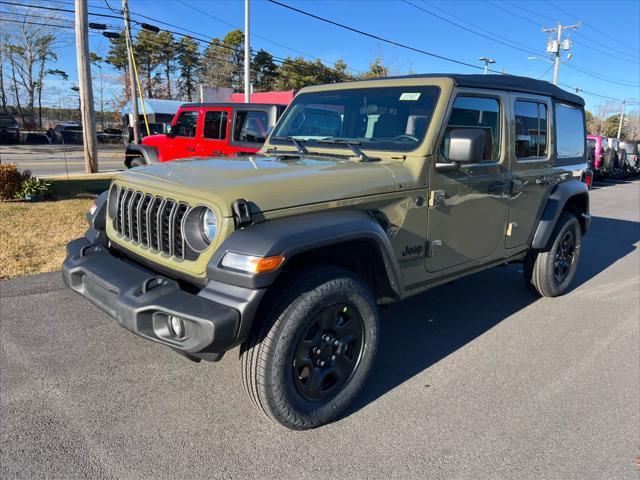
column 564, row 256
column 328, row 352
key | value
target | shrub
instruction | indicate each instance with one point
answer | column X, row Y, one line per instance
column 11, row 180
column 32, row 187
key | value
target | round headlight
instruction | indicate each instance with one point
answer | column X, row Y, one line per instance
column 209, row 225
column 200, row 226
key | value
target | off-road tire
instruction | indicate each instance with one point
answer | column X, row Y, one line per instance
column 267, row 356
column 539, row 267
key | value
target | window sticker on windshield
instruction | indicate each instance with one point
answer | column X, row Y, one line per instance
column 410, row 96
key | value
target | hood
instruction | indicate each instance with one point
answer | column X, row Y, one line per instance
column 267, row 183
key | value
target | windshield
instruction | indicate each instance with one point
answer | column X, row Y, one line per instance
column 387, row 118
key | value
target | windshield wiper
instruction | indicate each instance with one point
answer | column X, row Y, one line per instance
column 302, row 150
column 350, row 145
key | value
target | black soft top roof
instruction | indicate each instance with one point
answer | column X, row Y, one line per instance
column 505, row 82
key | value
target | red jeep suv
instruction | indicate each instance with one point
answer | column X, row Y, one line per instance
column 207, row 130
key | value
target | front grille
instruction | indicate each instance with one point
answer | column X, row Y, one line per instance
column 152, row 222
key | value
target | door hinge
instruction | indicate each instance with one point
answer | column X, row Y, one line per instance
column 433, row 244
column 511, row 227
column 436, row 198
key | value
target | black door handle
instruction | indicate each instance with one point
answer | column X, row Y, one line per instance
column 499, row 187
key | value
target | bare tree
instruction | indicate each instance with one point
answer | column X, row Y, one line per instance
column 29, row 47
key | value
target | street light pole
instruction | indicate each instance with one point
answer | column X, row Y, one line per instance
column 132, row 80
column 247, row 55
column 486, row 61
column 87, row 110
column 621, row 119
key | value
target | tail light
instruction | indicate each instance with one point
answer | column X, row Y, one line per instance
column 587, row 177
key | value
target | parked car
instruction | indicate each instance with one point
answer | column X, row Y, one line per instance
column 207, row 130
column 9, row 129
column 68, row 133
column 633, row 154
column 597, row 147
column 365, row 194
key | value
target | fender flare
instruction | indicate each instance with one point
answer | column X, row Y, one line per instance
column 555, row 206
column 292, row 236
column 148, row 153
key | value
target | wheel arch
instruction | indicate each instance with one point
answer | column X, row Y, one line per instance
column 350, row 239
column 148, row 153
column 570, row 196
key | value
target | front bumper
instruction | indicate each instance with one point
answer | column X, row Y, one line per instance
column 141, row 301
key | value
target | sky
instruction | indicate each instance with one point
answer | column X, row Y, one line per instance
column 606, row 45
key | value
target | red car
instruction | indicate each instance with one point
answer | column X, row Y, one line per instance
column 208, row 130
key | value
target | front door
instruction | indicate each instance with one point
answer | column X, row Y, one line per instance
column 183, row 131
column 468, row 206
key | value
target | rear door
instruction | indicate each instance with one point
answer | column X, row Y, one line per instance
column 249, row 129
column 469, row 206
column 532, row 173
column 215, row 132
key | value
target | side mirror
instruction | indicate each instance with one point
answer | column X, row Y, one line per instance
column 170, row 133
column 466, row 145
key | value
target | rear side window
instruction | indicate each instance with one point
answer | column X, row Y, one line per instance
column 476, row 112
column 186, row 124
column 570, row 135
column 250, row 126
column 531, row 129
column 215, row 125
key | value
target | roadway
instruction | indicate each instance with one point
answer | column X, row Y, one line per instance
column 475, row 380
column 58, row 160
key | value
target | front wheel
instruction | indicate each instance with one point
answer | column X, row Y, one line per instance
column 310, row 357
column 550, row 272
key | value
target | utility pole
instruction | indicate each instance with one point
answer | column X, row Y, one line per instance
column 486, row 61
column 557, row 46
column 87, row 112
column 621, row 119
column 132, row 80
column 247, row 55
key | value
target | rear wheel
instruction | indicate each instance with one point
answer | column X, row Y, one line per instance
column 310, row 358
column 550, row 272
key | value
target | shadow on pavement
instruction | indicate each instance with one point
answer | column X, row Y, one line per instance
column 423, row 330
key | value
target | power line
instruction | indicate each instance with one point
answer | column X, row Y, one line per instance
column 510, row 45
column 602, row 77
column 557, row 7
column 524, row 47
column 254, row 34
column 374, row 36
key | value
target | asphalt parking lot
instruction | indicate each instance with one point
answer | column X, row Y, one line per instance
column 474, row 380
column 60, row 160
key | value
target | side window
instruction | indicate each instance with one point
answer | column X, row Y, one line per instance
column 476, row 112
column 569, row 131
column 215, row 125
column 186, row 124
column 250, row 126
column 531, row 129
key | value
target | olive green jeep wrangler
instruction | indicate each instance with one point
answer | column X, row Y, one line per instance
column 365, row 193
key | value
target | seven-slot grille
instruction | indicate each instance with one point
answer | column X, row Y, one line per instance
column 153, row 222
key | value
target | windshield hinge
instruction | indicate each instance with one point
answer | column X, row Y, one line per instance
column 241, row 213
